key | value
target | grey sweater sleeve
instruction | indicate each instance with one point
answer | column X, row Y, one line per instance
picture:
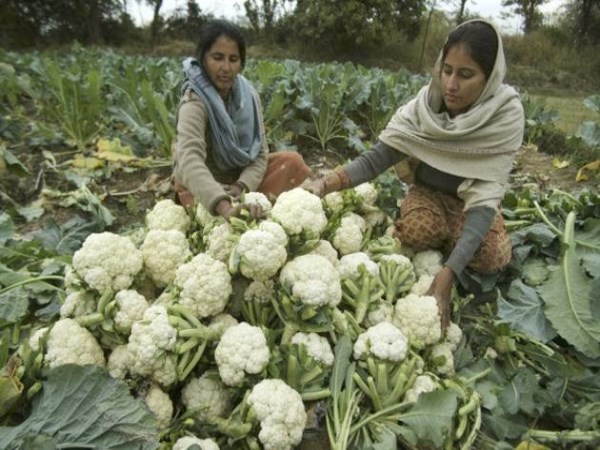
column 478, row 221
column 372, row 163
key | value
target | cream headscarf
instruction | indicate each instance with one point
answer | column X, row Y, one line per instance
column 478, row 144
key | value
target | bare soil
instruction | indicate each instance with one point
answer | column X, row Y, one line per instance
column 128, row 193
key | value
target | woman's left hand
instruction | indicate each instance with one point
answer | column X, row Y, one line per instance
column 441, row 289
column 234, row 190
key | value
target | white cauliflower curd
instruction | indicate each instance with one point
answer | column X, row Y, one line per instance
column 192, row 442
column 160, row 404
column 166, row 215
column 312, row 280
column 205, row 285
column 348, row 237
column 419, row 319
column 70, row 343
column 423, row 383
column 281, row 413
column 207, row 396
column 242, row 349
column 317, row 346
column 107, row 261
column 163, row 251
column 298, row 211
column 384, row 341
column 261, row 254
column 428, row 262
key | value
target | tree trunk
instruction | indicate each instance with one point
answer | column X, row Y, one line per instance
column 94, row 23
column 155, row 21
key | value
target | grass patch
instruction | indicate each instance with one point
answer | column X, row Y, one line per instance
column 572, row 112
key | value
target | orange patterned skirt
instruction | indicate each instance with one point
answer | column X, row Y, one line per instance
column 433, row 220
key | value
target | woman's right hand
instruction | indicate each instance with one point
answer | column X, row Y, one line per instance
column 225, row 209
column 316, row 187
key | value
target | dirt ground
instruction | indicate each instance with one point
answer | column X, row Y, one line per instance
column 129, row 193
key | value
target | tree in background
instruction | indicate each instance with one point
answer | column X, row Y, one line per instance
column 344, row 24
column 529, row 10
column 25, row 23
column 460, row 13
column 262, row 16
column 156, row 19
column 186, row 23
column 587, row 21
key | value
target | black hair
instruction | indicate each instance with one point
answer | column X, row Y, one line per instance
column 479, row 39
column 212, row 30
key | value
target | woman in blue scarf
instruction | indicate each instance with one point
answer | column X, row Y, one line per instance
column 221, row 149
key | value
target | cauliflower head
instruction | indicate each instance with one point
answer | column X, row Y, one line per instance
column 348, row 237
column 384, row 341
column 205, row 285
column 70, row 343
column 281, row 413
column 118, row 362
column 299, row 211
column 419, row 319
column 349, row 265
column 442, row 358
column 187, row 442
column 166, row 215
column 275, row 229
column 422, row 285
column 163, row 251
column 261, row 255
column 324, row 248
column 367, row 193
column 150, row 342
column 220, row 241
column 317, row 346
column 79, row 303
column 132, row 306
column 160, row 404
column 312, row 280
column 423, row 383
column 107, row 261
column 208, row 396
column 242, row 349
column 259, row 199
column 334, row 202
column 428, row 262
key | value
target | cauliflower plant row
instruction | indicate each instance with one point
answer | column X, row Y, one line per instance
column 235, row 321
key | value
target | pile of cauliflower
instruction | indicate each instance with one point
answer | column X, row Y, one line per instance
column 207, row 319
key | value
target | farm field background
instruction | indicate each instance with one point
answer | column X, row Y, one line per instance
column 85, row 146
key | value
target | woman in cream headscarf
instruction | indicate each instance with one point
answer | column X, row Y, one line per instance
column 454, row 143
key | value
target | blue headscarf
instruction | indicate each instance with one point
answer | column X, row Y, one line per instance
column 235, row 126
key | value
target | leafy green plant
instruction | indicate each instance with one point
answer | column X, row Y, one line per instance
column 538, row 120
column 75, row 101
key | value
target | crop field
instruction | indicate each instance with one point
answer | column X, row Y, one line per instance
column 130, row 322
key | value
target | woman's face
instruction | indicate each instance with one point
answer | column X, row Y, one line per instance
column 462, row 80
column 222, row 63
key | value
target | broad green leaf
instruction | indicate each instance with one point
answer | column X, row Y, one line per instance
column 343, row 350
column 14, row 305
column 524, row 311
column 33, row 211
column 590, row 132
column 538, row 233
column 84, row 407
column 505, row 426
column 12, row 163
column 588, row 237
column 518, row 394
column 7, row 228
column 534, row 271
column 66, row 238
column 431, row 417
column 566, row 295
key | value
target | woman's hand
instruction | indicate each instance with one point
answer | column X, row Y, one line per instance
column 225, row 209
column 316, row 187
column 441, row 289
column 234, row 190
